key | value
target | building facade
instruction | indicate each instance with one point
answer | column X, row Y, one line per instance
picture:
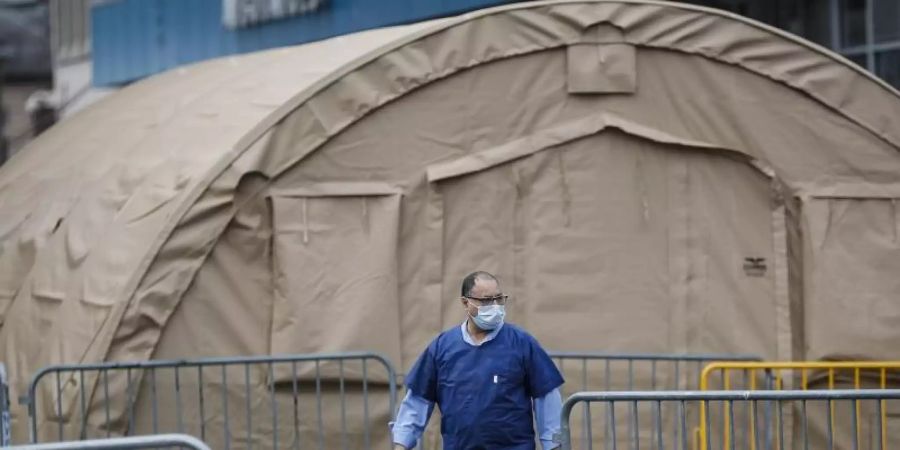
column 24, row 68
column 98, row 46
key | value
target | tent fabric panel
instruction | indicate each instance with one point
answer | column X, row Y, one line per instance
column 596, row 242
column 734, row 261
column 335, row 277
column 852, row 255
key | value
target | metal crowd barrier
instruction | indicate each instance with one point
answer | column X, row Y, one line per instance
column 758, row 418
column 785, row 375
column 127, row 443
column 640, row 371
column 266, row 401
column 798, row 374
column 613, row 371
column 608, row 371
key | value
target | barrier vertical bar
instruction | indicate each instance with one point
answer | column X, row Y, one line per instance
column 607, row 382
column 726, row 411
column 754, row 420
column 636, row 425
column 658, row 427
column 131, row 398
column 319, row 407
column 752, row 405
column 707, row 427
column 274, row 406
column 365, row 378
column 857, row 420
column 883, row 415
column 5, row 426
column 879, row 410
column 154, row 401
column 249, row 408
column 59, row 407
column 805, row 426
column 105, row 402
column 226, row 424
column 82, row 434
column 587, row 435
column 657, row 418
column 632, row 424
column 296, row 404
column 178, row 415
column 612, row 416
column 202, row 402
column 831, row 405
column 779, row 427
column 343, row 405
column 730, row 408
column 675, row 424
column 780, row 411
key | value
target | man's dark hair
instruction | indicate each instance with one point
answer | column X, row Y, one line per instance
column 469, row 281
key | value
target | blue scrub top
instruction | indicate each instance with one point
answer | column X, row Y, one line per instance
column 484, row 392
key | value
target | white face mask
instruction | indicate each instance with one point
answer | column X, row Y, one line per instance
column 489, row 317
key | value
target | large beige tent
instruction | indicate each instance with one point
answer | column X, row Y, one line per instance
column 643, row 176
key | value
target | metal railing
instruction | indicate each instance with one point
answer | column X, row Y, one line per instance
column 787, row 375
column 266, row 401
column 126, row 443
column 609, row 371
column 781, row 375
column 763, row 424
column 640, row 371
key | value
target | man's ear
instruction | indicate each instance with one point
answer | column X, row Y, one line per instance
column 464, row 301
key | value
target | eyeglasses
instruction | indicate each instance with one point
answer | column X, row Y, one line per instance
column 495, row 300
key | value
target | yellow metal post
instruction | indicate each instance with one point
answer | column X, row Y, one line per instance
column 778, row 444
column 752, row 411
column 830, row 402
column 726, row 416
column 704, row 386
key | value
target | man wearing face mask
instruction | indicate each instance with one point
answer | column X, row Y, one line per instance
column 490, row 380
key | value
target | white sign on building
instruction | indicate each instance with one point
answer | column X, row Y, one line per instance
column 247, row 13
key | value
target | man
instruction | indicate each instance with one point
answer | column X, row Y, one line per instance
column 486, row 377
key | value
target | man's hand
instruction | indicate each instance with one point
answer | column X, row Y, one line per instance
column 399, row 447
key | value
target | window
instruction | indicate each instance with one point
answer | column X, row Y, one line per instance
column 815, row 19
column 870, row 35
column 886, row 21
column 853, row 22
column 866, row 32
column 887, row 66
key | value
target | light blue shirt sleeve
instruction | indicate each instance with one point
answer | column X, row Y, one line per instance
column 547, row 411
column 411, row 420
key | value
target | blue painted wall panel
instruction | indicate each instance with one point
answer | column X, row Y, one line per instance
column 136, row 38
